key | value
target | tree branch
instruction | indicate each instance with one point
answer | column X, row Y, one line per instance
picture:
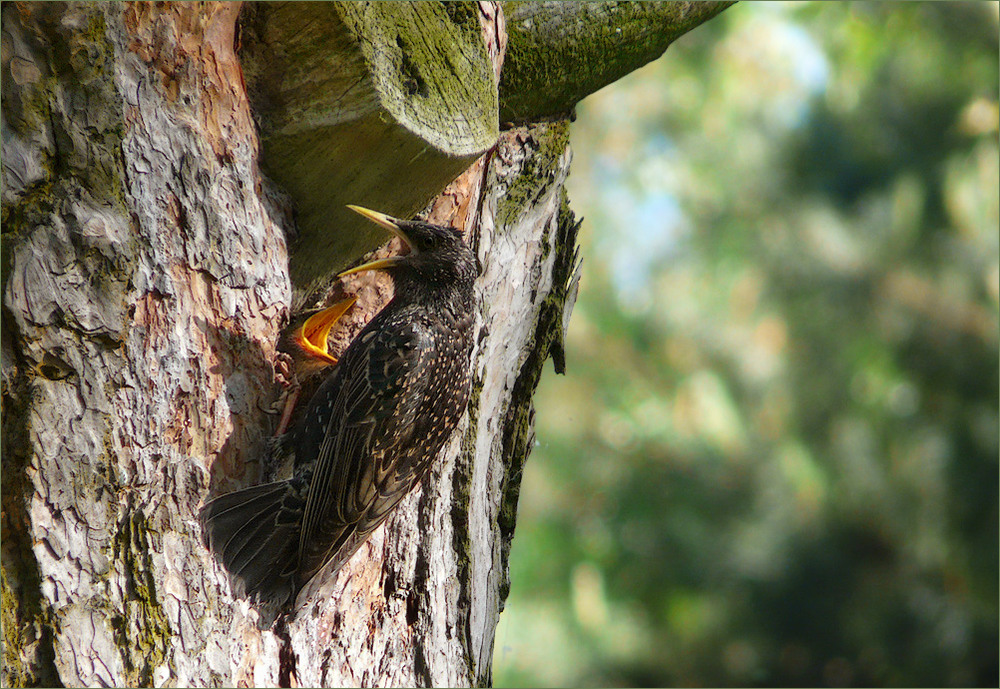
column 378, row 104
column 560, row 52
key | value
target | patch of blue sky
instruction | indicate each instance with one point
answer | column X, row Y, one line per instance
column 810, row 70
column 648, row 230
column 799, row 67
column 645, row 222
column 810, row 66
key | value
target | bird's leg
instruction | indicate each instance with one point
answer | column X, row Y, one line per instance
column 284, row 375
column 286, row 414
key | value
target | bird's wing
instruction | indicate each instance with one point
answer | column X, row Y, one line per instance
column 381, row 387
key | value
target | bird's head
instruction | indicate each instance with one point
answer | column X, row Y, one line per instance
column 437, row 256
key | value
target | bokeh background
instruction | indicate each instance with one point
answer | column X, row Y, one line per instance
column 774, row 457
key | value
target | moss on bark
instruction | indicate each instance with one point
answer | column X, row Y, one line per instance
column 560, row 52
column 143, row 634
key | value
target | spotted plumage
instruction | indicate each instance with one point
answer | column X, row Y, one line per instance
column 370, row 432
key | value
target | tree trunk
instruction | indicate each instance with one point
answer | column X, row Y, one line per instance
column 146, row 282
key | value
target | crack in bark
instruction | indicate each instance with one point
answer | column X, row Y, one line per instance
column 287, row 659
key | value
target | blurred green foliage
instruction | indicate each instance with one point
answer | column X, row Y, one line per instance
column 774, row 457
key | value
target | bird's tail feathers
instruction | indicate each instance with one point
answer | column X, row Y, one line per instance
column 255, row 534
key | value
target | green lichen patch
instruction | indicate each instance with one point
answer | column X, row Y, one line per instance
column 549, row 41
column 14, row 671
column 34, row 203
column 141, row 629
column 431, row 70
column 23, row 629
column 73, row 110
column 91, row 56
column 545, row 145
column 28, row 107
column 28, row 657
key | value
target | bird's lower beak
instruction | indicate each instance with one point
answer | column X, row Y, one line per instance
column 390, row 223
column 373, row 265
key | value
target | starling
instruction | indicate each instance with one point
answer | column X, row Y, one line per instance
column 370, row 431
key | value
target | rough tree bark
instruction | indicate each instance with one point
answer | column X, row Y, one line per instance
column 162, row 218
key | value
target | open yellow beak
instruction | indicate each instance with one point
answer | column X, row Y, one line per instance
column 390, row 223
column 314, row 332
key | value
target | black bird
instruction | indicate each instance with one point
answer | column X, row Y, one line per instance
column 372, row 429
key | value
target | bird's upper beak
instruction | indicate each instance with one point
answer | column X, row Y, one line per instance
column 389, row 223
